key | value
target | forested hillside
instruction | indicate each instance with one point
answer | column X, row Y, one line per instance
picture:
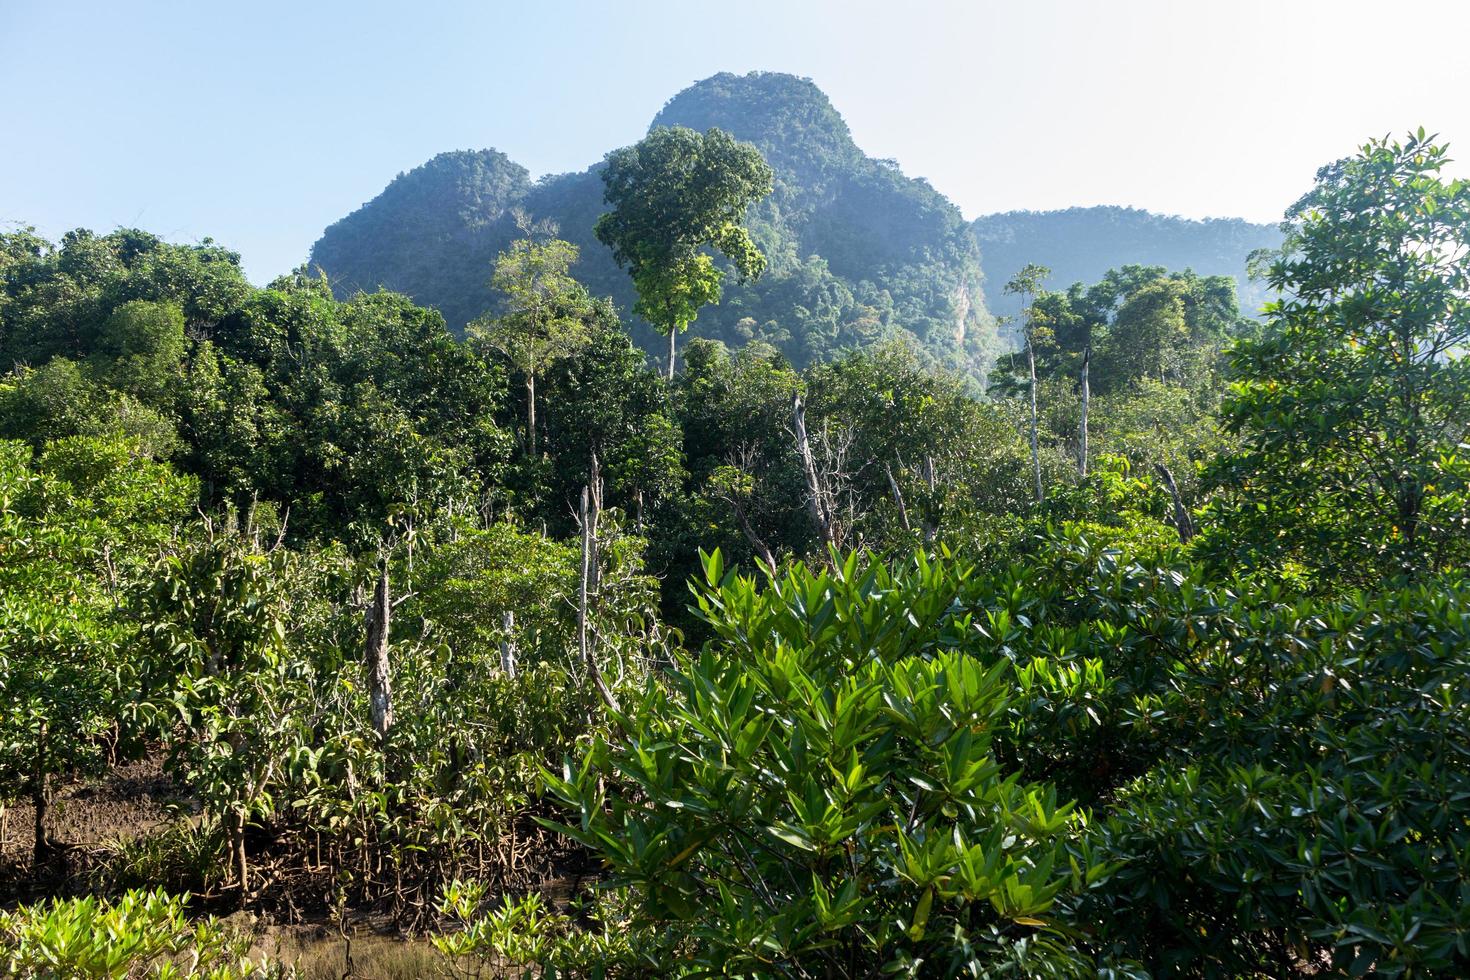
column 858, row 253
column 1081, row 244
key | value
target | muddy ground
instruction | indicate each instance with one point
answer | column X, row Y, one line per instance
column 131, row 799
column 87, row 818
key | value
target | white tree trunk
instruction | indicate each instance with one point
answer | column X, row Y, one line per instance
column 1035, row 446
column 816, row 496
column 1082, row 428
column 590, row 511
column 508, row 644
column 380, row 690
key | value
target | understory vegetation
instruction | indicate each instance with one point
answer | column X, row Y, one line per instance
column 1146, row 655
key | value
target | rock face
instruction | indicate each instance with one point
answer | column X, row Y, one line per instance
column 1081, row 244
column 858, row 252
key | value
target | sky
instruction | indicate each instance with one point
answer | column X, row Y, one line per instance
column 259, row 123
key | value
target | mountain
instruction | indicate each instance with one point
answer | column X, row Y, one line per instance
column 857, row 251
column 1081, row 244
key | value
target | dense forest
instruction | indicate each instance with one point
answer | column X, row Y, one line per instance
column 797, row 656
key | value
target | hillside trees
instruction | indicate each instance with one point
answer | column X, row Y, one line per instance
column 674, row 194
column 857, row 251
column 1129, row 367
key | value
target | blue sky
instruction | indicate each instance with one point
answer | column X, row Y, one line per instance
column 260, row 123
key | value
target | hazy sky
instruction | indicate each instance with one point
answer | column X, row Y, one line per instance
column 260, row 123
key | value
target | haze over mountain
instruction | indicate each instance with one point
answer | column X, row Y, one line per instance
column 1081, row 244
column 858, row 251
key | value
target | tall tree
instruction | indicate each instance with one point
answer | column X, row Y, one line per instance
column 1351, row 405
column 545, row 317
column 1027, row 284
column 674, row 195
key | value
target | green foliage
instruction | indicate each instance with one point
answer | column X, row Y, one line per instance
column 76, row 529
column 141, row 934
column 523, row 937
column 605, row 401
column 140, row 347
column 1313, row 817
column 815, row 792
column 61, row 399
column 1082, row 244
column 1353, row 405
column 545, row 316
column 858, row 765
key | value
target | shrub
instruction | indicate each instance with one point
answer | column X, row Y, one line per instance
column 815, row 792
column 142, row 934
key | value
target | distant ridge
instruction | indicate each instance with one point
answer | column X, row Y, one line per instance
column 1081, row 244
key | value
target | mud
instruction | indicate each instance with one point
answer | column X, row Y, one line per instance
column 131, row 799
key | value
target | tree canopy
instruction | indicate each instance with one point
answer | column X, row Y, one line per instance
column 673, row 195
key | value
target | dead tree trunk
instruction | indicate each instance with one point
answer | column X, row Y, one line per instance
column 590, row 511
column 1182, row 521
column 508, row 644
column 931, row 480
column 375, row 656
column 673, row 340
column 903, row 511
column 1035, row 446
column 1082, row 427
column 531, row 413
column 757, row 543
column 40, row 800
column 815, row 493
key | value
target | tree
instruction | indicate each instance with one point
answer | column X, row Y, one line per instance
column 78, row 526
column 1352, row 408
column 545, row 316
column 1148, row 334
column 673, row 195
column 1027, row 284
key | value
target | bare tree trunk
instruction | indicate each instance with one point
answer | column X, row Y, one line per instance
column 1182, row 521
column 239, row 861
column 816, row 496
column 1035, row 447
column 673, row 335
column 590, row 511
column 757, row 544
column 380, row 691
column 508, row 644
column 1082, row 428
column 531, row 413
column 903, row 512
column 931, row 480
column 40, row 799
